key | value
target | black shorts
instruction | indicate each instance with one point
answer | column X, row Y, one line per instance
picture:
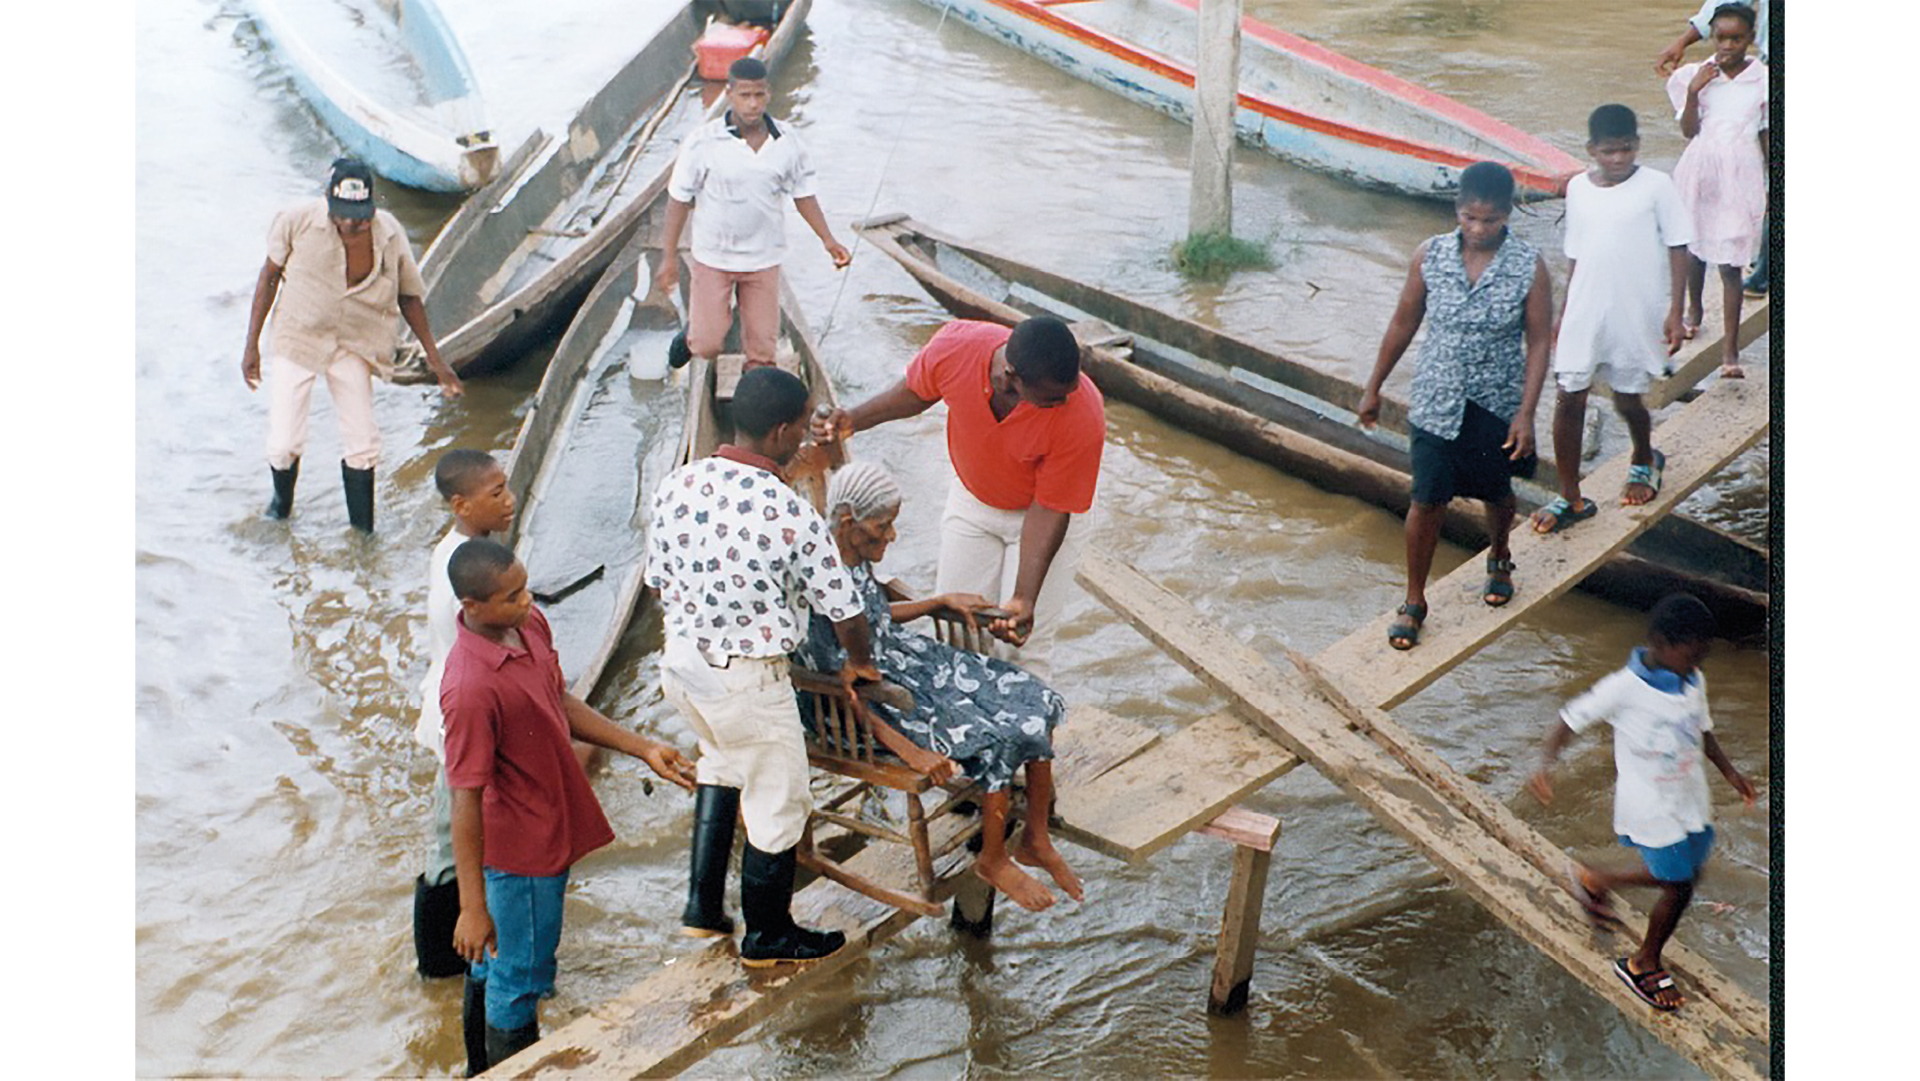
column 1472, row 465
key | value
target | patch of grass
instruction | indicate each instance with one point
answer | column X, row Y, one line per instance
column 1212, row 256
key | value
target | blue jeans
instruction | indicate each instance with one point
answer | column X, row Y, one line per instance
column 526, row 929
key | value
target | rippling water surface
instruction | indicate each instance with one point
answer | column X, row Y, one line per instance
column 280, row 801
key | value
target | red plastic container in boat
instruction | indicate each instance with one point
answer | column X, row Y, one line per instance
column 722, row 44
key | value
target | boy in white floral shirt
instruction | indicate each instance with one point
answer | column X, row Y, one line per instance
column 741, row 560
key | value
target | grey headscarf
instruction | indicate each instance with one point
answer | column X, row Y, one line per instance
column 865, row 489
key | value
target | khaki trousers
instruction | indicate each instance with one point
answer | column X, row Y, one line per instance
column 755, row 292
column 290, row 390
column 748, row 727
column 980, row 553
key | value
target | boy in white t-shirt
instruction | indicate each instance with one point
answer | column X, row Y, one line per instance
column 475, row 488
column 1657, row 706
column 1627, row 236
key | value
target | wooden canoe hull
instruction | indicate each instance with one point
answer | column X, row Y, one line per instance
column 1298, row 101
column 549, row 453
column 520, row 256
column 441, row 144
column 1292, row 434
column 708, row 424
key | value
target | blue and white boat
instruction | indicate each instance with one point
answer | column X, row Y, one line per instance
column 389, row 79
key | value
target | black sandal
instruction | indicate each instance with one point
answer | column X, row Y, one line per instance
column 1497, row 587
column 1407, row 627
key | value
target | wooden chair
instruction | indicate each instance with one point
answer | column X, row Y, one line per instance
column 842, row 743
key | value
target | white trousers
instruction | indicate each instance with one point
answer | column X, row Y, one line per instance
column 980, row 553
column 748, row 727
column 290, row 391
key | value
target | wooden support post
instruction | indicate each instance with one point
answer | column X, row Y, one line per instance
column 1252, row 836
column 1216, row 92
column 1239, row 931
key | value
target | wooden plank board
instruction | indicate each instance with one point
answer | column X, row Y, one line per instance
column 1182, row 783
column 1243, row 828
column 1291, row 710
column 673, row 1018
column 1698, row 441
column 1507, row 828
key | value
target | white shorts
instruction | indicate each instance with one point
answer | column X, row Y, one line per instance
column 748, row 726
column 1635, row 379
column 980, row 553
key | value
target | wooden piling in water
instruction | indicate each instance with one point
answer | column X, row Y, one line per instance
column 1253, row 836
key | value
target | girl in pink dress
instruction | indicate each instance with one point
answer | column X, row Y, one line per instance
column 1722, row 175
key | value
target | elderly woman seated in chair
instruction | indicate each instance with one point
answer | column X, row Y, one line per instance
column 972, row 713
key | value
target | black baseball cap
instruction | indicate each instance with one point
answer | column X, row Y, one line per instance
column 350, row 192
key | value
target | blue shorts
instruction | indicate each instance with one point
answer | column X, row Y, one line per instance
column 1677, row 862
column 526, row 930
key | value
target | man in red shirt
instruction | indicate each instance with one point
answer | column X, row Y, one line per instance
column 1025, row 429
column 522, row 809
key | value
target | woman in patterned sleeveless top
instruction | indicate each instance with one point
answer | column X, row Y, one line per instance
column 1476, row 382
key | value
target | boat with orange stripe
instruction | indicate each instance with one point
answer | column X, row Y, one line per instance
column 1300, row 101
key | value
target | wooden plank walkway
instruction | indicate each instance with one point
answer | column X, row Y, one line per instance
column 1294, row 709
column 673, row 1018
column 1699, row 440
column 1182, row 783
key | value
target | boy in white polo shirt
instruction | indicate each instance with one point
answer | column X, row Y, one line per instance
column 741, row 169
column 1657, row 706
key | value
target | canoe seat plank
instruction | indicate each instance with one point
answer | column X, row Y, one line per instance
column 731, row 366
column 1181, row 784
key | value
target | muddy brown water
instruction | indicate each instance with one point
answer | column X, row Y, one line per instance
column 279, row 800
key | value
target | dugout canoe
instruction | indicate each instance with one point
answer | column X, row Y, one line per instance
column 389, row 79
column 577, row 471
column 1292, row 416
column 516, row 260
column 1299, row 101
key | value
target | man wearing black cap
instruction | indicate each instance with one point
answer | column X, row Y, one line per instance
column 340, row 271
column 740, row 168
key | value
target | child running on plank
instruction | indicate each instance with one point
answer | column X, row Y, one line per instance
column 1722, row 175
column 523, row 812
column 1627, row 264
column 1657, row 706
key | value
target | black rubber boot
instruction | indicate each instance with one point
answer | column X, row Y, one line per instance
column 503, row 1044
column 359, row 486
column 435, row 910
column 766, row 896
column 677, row 352
column 714, row 810
column 473, row 1025
column 282, row 503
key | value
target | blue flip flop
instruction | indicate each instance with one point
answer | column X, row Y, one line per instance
column 1565, row 514
column 1649, row 475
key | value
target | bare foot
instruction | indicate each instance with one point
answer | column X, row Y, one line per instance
column 1019, row 886
column 1046, row 857
column 1732, row 371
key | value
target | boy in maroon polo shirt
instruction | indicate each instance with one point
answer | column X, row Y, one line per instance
column 522, row 809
